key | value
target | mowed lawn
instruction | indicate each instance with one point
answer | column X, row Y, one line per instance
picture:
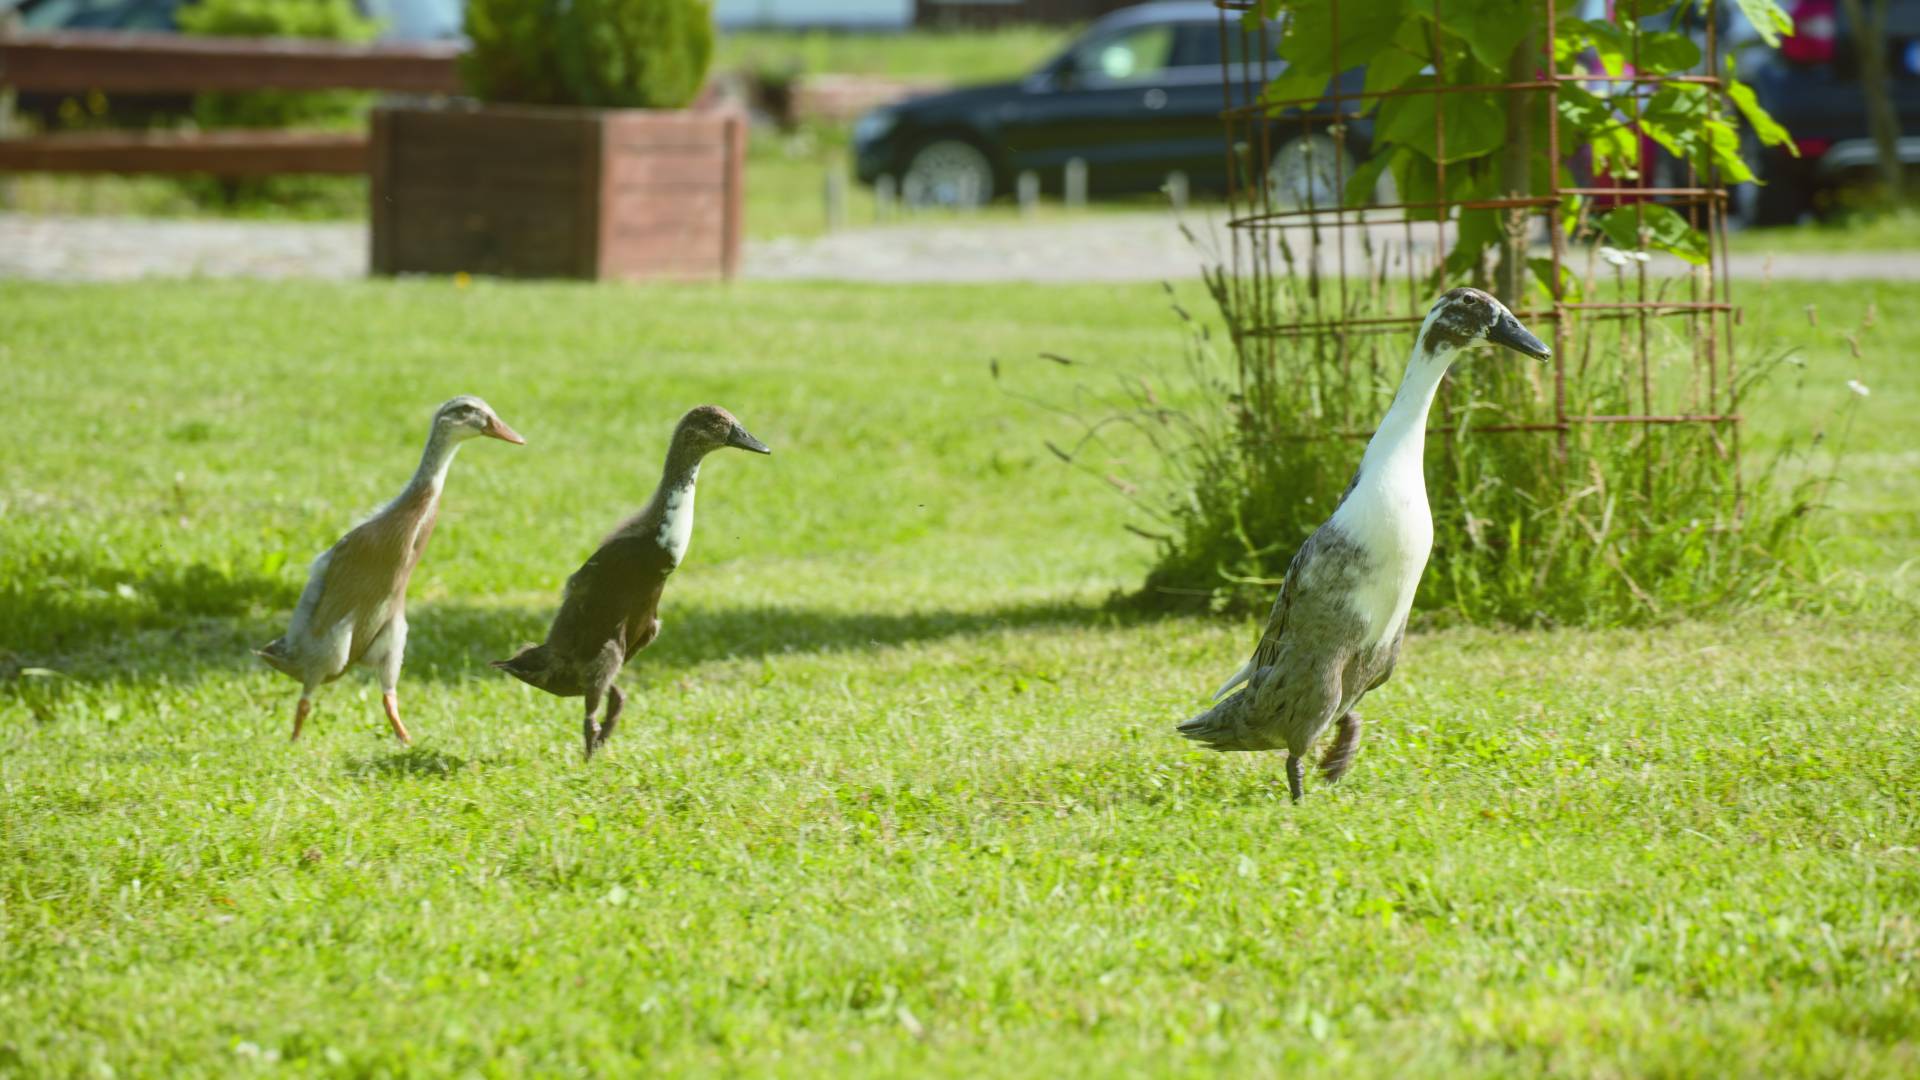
column 896, row 791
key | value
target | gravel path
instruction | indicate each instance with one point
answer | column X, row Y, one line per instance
column 1100, row 247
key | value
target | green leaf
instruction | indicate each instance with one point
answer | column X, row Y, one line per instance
column 1769, row 131
column 1478, row 231
column 1474, row 124
column 1414, row 177
column 1361, row 184
column 1609, row 43
column 1586, row 111
column 1543, row 274
column 1665, row 231
column 1491, row 28
column 1768, row 20
column 1667, row 51
column 1391, row 69
column 1600, row 126
column 1365, row 30
column 1298, row 83
column 1723, row 149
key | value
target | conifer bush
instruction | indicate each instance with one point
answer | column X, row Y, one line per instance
column 614, row 54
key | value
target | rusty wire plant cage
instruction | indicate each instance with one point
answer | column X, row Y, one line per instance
column 1603, row 486
column 1407, row 241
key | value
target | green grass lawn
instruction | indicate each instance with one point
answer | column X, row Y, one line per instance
column 950, row 56
column 896, row 793
column 1883, row 231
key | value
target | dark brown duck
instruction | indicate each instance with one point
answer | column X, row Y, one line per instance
column 611, row 607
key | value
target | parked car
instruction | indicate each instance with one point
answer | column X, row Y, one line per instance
column 1811, row 84
column 1137, row 96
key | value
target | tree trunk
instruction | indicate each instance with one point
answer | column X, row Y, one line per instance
column 1510, row 277
column 1870, row 40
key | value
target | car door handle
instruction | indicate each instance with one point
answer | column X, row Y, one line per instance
column 1155, row 98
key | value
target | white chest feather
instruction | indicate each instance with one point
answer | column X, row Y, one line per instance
column 1388, row 517
column 676, row 523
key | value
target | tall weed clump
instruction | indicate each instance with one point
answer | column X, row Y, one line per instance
column 1256, row 434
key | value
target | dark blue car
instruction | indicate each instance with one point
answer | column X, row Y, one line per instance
column 1137, row 96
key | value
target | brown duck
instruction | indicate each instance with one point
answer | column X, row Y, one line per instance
column 611, row 607
column 354, row 608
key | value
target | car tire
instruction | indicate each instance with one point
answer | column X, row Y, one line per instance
column 1309, row 171
column 948, row 172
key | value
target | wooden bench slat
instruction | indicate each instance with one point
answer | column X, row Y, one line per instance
column 216, row 153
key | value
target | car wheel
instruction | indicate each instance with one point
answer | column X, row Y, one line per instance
column 947, row 172
column 1307, row 172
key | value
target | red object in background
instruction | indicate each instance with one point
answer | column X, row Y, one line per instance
column 1814, row 31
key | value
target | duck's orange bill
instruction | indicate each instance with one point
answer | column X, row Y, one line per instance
column 497, row 428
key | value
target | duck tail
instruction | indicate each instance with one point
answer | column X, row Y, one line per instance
column 530, row 665
column 274, row 653
column 1339, row 754
column 1224, row 726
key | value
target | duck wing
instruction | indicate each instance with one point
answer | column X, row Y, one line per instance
column 611, row 597
column 361, row 579
column 1293, row 679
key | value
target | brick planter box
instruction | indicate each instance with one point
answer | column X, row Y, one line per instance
column 520, row 191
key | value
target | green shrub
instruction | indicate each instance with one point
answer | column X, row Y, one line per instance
column 642, row 54
column 328, row 20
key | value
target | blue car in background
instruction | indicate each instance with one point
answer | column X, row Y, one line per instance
column 1137, row 96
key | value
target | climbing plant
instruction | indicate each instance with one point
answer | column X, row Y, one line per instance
column 1408, row 45
column 1536, row 520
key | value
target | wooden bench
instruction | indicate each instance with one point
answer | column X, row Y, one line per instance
column 83, row 62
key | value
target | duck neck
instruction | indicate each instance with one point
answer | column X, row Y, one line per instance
column 682, row 469
column 1402, row 435
column 431, row 476
column 674, row 500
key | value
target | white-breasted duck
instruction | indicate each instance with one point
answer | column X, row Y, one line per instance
column 611, row 607
column 1336, row 628
column 354, row 608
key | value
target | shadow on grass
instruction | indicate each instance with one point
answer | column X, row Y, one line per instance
column 691, row 635
column 96, row 622
column 97, row 625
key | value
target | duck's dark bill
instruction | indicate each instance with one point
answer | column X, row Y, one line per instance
column 744, row 441
column 1507, row 331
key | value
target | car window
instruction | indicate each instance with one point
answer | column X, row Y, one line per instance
column 1134, row 54
column 1198, row 44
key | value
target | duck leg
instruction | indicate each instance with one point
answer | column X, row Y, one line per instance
column 1346, row 741
column 1293, row 776
column 590, row 731
column 384, row 656
column 392, row 704
column 300, row 712
column 615, row 700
